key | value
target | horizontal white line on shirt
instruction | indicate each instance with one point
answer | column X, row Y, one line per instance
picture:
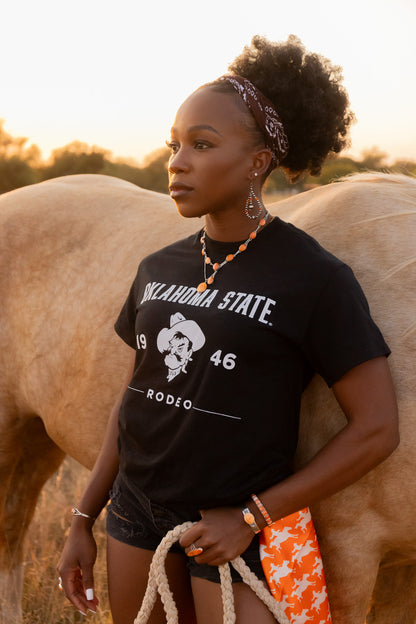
column 216, row 413
column 135, row 389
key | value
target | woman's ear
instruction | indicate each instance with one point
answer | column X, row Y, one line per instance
column 261, row 161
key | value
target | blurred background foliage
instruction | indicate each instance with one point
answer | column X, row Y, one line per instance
column 22, row 164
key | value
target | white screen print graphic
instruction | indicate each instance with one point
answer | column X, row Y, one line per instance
column 178, row 342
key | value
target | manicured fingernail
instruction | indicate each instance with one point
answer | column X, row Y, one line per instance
column 92, row 611
column 89, row 593
column 82, row 612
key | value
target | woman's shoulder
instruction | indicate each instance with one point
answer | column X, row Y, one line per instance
column 301, row 249
column 175, row 249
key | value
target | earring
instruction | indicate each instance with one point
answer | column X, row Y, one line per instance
column 252, row 197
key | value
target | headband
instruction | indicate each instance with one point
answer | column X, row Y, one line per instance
column 264, row 114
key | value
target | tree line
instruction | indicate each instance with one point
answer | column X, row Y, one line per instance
column 22, row 164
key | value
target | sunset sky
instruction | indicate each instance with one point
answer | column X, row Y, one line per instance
column 114, row 73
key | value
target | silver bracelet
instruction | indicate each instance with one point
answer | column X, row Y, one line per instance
column 77, row 512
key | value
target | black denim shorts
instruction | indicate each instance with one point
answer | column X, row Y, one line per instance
column 133, row 519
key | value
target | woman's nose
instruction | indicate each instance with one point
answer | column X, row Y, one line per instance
column 178, row 162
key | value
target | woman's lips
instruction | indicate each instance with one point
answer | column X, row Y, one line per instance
column 179, row 190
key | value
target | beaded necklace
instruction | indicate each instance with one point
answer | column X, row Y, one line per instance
column 216, row 266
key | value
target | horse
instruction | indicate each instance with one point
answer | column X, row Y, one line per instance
column 69, row 249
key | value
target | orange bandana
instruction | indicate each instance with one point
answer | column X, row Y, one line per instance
column 292, row 564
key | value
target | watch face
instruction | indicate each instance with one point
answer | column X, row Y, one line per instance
column 249, row 518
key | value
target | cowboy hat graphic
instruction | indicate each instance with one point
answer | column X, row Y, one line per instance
column 178, row 342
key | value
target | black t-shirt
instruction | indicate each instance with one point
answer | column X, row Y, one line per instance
column 211, row 413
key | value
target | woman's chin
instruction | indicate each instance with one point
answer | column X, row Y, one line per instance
column 187, row 211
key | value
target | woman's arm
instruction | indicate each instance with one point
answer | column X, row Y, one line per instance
column 367, row 398
column 78, row 557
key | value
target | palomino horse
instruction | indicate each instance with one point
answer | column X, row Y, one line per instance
column 69, row 249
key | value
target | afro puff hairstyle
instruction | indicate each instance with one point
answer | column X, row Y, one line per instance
column 307, row 93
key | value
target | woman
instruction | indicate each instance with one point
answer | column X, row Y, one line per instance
column 228, row 327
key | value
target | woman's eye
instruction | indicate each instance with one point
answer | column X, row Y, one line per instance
column 172, row 146
column 200, row 145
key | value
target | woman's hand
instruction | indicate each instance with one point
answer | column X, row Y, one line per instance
column 222, row 533
column 75, row 567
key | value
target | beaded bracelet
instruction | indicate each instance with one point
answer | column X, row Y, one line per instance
column 262, row 509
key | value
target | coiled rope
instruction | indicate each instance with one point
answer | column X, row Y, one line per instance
column 158, row 581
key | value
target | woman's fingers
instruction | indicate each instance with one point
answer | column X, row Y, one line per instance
column 220, row 536
column 88, row 584
column 73, row 589
column 78, row 587
column 190, row 536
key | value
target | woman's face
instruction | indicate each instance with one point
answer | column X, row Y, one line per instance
column 212, row 154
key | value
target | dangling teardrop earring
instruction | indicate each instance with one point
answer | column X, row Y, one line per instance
column 252, row 197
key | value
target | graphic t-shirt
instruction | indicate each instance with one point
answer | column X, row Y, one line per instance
column 211, row 413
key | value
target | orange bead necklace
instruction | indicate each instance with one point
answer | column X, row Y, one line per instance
column 216, row 266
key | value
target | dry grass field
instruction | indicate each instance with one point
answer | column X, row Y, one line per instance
column 43, row 603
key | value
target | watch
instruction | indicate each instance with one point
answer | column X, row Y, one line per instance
column 250, row 520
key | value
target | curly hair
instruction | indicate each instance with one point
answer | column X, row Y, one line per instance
column 307, row 93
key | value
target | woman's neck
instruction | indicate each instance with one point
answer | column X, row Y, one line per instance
column 229, row 228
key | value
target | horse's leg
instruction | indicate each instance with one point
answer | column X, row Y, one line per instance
column 350, row 570
column 394, row 599
column 28, row 457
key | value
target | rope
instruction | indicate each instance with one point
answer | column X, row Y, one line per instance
column 158, row 581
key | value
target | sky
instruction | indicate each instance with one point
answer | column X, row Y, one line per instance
column 113, row 73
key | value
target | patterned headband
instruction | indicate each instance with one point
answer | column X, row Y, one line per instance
column 265, row 115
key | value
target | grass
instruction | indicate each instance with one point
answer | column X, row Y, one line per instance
column 43, row 603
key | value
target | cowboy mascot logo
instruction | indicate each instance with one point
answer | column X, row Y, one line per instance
column 178, row 343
